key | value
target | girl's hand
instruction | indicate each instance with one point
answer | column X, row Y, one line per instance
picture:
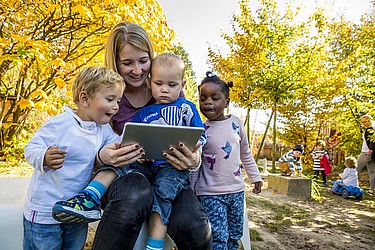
column 54, row 157
column 116, row 155
column 257, row 187
column 182, row 158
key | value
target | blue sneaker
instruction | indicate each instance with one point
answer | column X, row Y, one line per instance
column 80, row 208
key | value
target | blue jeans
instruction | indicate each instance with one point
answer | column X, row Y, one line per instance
column 225, row 213
column 336, row 185
column 365, row 160
column 127, row 204
column 167, row 182
column 54, row 236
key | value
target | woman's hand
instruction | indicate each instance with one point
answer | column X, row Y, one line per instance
column 182, row 158
column 116, row 155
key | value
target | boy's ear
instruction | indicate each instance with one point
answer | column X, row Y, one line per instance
column 83, row 98
column 183, row 83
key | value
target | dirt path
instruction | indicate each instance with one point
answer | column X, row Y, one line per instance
column 279, row 222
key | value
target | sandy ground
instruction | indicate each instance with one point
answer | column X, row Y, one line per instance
column 332, row 223
column 280, row 222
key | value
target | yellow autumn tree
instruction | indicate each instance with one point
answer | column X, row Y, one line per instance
column 43, row 43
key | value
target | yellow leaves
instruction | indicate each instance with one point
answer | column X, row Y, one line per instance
column 60, row 82
column 46, row 107
column 4, row 42
column 52, row 8
column 82, row 10
column 39, row 93
column 5, row 125
column 74, row 36
column 131, row 2
column 25, row 104
column 19, row 38
column 58, row 62
column 52, row 110
column 39, row 106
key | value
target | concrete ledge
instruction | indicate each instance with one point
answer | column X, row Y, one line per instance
column 12, row 198
column 292, row 186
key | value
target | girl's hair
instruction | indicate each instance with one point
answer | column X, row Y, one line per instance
column 320, row 142
column 366, row 117
column 171, row 61
column 92, row 79
column 211, row 77
column 350, row 162
column 122, row 34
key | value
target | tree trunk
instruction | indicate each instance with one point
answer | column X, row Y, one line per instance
column 274, row 140
column 264, row 137
column 247, row 123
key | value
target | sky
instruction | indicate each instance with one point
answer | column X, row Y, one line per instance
column 199, row 24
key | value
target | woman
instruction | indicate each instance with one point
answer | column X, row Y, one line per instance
column 128, row 200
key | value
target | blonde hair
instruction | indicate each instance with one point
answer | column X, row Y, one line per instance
column 320, row 142
column 350, row 162
column 122, row 34
column 92, row 79
column 172, row 61
column 366, row 117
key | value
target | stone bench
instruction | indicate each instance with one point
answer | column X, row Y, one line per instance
column 296, row 187
column 12, row 197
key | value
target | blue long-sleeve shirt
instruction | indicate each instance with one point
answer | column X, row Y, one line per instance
column 179, row 113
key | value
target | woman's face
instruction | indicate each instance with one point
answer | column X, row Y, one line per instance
column 133, row 65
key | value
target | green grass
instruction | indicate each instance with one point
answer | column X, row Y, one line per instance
column 275, row 227
column 254, row 235
column 279, row 208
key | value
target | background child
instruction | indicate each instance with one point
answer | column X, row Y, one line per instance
column 290, row 162
column 318, row 155
column 219, row 183
column 349, row 177
column 167, row 81
column 63, row 152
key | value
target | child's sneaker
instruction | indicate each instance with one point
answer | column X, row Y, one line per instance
column 80, row 208
column 370, row 192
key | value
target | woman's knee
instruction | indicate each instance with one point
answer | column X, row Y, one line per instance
column 132, row 189
column 189, row 226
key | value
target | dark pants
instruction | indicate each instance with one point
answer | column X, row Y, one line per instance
column 324, row 176
column 127, row 204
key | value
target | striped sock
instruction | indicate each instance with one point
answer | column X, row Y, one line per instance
column 96, row 189
column 154, row 244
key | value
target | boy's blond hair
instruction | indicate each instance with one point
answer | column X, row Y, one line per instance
column 172, row 61
column 92, row 79
column 366, row 117
column 320, row 142
column 350, row 162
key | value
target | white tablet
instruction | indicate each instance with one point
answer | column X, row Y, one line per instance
column 156, row 139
